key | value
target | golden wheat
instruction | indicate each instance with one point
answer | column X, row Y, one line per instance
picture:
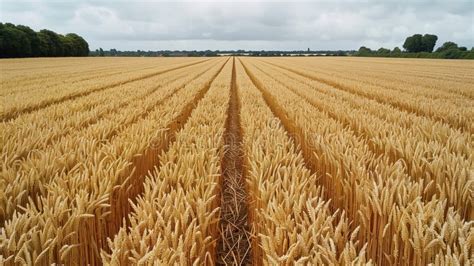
column 30, row 100
column 175, row 221
column 410, row 145
column 273, row 161
column 457, row 115
column 94, row 194
column 292, row 221
column 27, row 176
column 356, row 179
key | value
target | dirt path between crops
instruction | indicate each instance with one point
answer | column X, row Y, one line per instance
column 234, row 244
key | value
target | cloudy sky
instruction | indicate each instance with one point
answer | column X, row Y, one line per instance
column 268, row 25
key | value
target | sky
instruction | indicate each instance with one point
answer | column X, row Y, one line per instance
column 248, row 25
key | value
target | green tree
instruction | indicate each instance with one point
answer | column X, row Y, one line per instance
column 383, row 51
column 396, row 51
column 46, row 47
column 22, row 41
column 452, row 53
column 68, row 45
column 469, row 54
column 13, row 42
column 54, row 42
column 450, row 50
column 414, row 44
column 33, row 39
column 364, row 51
column 447, row 46
column 420, row 43
column 429, row 42
column 81, row 46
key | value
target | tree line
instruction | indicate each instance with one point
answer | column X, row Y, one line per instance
column 209, row 53
column 22, row 41
column 142, row 53
column 421, row 46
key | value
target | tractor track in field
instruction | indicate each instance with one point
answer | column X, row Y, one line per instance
column 234, row 243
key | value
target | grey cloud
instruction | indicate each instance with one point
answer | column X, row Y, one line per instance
column 252, row 25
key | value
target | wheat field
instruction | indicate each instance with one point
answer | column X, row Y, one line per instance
column 237, row 160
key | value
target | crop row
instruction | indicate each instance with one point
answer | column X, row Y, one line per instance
column 243, row 160
column 456, row 115
column 87, row 201
column 292, row 222
column 51, row 74
column 378, row 196
column 47, row 125
column 30, row 101
column 434, row 80
column 175, row 221
column 28, row 176
column 442, row 164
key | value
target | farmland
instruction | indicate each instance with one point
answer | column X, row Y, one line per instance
column 332, row 161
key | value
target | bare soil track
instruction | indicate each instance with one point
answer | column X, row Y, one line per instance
column 234, row 244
